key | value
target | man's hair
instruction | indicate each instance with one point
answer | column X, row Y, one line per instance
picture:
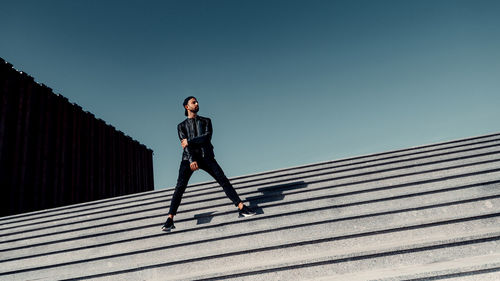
column 186, row 100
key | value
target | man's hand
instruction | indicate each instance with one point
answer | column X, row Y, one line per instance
column 194, row 166
column 184, row 143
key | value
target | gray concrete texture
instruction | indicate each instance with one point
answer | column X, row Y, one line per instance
column 417, row 213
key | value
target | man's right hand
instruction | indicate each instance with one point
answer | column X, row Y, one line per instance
column 194, row 166
column 184, row 143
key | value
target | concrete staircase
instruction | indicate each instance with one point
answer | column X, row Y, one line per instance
column 424, row 213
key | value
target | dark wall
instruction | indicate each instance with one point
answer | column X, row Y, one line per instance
column 52, row 153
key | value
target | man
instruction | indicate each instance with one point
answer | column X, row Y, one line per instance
column 195, row 134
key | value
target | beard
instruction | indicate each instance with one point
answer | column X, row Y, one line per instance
column 195, row 110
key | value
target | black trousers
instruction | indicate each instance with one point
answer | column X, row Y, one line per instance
column 210, row 166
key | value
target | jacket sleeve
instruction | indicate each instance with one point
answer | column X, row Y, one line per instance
column 181, row 137
column 206, row 137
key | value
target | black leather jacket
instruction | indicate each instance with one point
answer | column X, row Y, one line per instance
column 199, row 146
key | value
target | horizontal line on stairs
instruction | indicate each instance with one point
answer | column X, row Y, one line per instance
column 269, row 195
column 246, row 193
column 267, row 248
column 311, row 264
column 333, row 261
column 301, row 212
column 232, row 179
column 457, row 274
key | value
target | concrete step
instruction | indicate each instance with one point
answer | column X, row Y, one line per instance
column 474, row 207
column 476, row 216
column 302, row 259
column 294, row 202
column 364, row 229
column 431, row 211
column 475, row 213
column 483, row 268
column 351, row 194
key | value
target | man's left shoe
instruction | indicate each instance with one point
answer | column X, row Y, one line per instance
column 169, row 225
column 247, row 212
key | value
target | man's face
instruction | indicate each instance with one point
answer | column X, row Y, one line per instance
column 193, row 105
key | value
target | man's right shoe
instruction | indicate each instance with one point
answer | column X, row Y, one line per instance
column 169, row 225
column 246, row 212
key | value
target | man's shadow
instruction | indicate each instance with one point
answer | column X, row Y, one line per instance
column 273, row 194
column 204, row 218
column 269, row 194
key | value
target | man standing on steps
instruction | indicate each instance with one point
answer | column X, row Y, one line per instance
column 195, row 134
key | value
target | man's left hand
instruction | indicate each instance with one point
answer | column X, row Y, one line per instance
column 184, row 143
column 194, row 166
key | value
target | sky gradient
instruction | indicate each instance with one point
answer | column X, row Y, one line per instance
column 285, row 83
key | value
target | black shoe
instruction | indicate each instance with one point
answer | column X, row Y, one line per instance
column 169, row 225
column 247, row 212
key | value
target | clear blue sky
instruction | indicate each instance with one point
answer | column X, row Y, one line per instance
column 285, row 83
